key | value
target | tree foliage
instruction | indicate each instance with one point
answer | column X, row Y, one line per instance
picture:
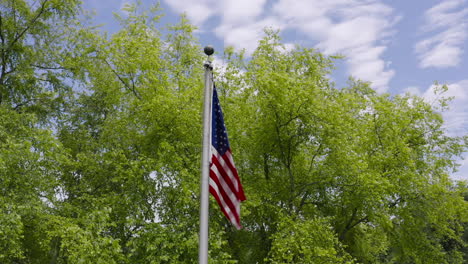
column 100, row 149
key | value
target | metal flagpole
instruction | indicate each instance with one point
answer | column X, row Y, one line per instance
column 205, row 170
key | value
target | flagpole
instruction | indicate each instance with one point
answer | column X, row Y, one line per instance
column 204, row 182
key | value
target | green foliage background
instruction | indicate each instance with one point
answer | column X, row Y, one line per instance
column 100, row 147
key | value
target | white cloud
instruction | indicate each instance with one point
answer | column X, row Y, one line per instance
column 197, row 11
column 357, row 29
column 354, row 28
column 413, row 90
column 231, row 11
column 444, row 49
column 240, row 24
column 246, row 36
column 242, row 11
column 367, row 66
column 440, row 16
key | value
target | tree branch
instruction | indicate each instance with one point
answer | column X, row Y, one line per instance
column 315, row 155
column 21, row 34
column 350, row 225
column 50, row 68
column 127, row 86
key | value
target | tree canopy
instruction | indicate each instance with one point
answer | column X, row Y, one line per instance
column 100, row 142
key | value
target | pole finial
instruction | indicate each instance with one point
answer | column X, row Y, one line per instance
column 209, row 50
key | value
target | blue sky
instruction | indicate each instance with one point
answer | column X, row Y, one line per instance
column 400, row 46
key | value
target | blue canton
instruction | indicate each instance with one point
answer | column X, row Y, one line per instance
column 219, row 138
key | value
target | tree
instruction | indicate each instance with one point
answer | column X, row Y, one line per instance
column 375, row 166
column 36, row 61
column 37, row 53
column 99, row 151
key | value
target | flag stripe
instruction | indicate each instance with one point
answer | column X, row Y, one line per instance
column 230, row 162
column 224, row 208
column 227, row 202
column 224, row 171
column 226, row 211
column 217, row 174
column 229, row 171
column 224, row 191
column 229, row 197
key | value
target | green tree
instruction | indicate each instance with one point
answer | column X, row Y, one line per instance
column 30, row 160
column 376, row 166
column 37, row 61
column 130, row 136
column 100, row 150
column 308, row 241
column 37, row 53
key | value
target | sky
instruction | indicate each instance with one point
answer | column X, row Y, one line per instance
column 400, row 46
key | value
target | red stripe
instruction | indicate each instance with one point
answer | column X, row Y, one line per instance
column 222, row 171
column 215, row 195
column 224, row 193
column 225, row 190
column 223, row 182
column 240, row 192
column 223, row 163
column 229, row 166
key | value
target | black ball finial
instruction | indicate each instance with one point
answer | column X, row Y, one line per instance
column 209, row 50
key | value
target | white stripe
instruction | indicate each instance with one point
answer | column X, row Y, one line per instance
column 223, row 203
column 221, row 198
column 222, row 162
column 232, row 196
column 228, row 154
column 217, row 170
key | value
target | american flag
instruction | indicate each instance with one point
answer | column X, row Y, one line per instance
column 225, row 184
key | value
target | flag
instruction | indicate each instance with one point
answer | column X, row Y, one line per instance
column 225, row 184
